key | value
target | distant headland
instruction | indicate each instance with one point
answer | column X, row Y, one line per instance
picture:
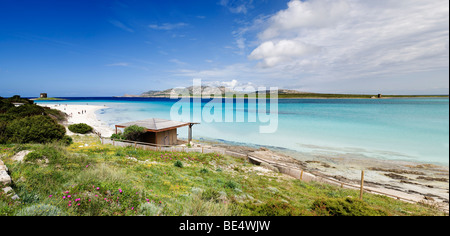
column 282, row 93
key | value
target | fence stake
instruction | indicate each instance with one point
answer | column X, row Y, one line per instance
column 362, row 186
column 301, row 175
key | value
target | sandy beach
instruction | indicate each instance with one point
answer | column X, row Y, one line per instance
column 83, row 114
column 418, row 182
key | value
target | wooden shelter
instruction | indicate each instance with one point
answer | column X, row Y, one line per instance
column 160, row 131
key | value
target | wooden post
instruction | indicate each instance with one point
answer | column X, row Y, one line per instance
column 190, row 133
column 301, row 175
column 362, row 186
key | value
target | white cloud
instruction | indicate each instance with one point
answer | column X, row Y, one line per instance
column 237, row 6
column 168, row 26
column 119, row 64
column 344, row 45
column 121, row 25
column 230, row 84
column 304, row 15
column 348, row 39
column 178, row 62
column 276, row 52
column 128, row 65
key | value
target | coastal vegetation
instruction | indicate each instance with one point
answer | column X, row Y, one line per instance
column 132, row 133
column 22, row 121
column 81, row 128
column 87, row 178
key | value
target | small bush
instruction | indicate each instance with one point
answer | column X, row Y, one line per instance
column 210, row 195
column 117, row 136
column 272, row 208
column 50, row 153
column 5, row 208
column 67, row 140
column 133, row 132
column 204, row 171
column 33, row 156
column 231, row 184
column 81, row 128
column 178, row 164
column 34, row 129
column 345, row 207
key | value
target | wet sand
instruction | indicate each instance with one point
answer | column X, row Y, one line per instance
column 418, row 182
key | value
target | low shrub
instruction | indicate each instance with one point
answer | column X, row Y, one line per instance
column 345, row 207
column 67, row 140
column 34, row 129
column 210, row 195
column 231, row 184
column 273, row 207
column 81, row 128
column 54, row 153
column 178, row 164
column 117, row 136
column 133, row 132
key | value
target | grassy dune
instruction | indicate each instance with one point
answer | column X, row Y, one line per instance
column 88, row 178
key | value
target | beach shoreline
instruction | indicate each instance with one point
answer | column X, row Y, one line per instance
column 415, row 180
column 83, row 114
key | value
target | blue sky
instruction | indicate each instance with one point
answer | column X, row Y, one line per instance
column 112, row 47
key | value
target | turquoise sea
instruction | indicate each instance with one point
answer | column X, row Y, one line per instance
column 413, row 129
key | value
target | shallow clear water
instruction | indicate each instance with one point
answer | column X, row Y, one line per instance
column 415, row 129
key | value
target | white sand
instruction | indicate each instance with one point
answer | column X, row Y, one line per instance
column 84, row 114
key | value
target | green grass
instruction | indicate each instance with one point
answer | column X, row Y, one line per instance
column 107, row 180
